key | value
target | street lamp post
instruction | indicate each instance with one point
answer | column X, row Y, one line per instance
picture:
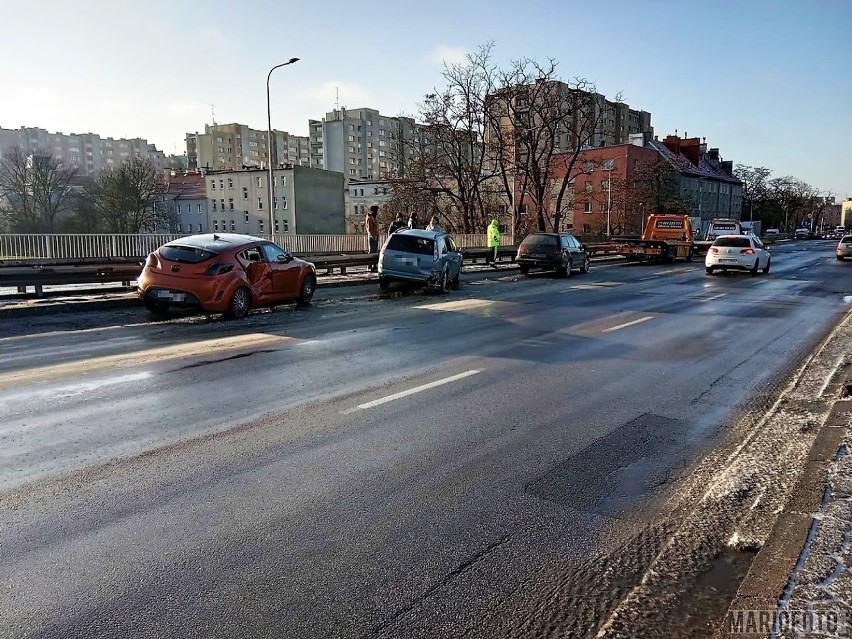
column 608, row 197
column 269, row 144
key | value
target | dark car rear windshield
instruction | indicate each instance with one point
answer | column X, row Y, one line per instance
column 733, row 241
column 185, row 254
column 411, row 244
column 539, row 240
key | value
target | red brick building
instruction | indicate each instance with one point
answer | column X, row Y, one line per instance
column 595, row 171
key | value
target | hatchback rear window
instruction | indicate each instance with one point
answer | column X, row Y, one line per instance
column 411, row 244
column 531, row 241
column 185, row 254
column 740, row 242
column 847, row 239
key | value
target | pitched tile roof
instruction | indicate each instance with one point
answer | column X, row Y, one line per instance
column 682, row 164
column 187, row 186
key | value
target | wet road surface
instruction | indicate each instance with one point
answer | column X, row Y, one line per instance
column 415, row 465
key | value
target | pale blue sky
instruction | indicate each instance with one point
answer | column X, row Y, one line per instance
column 765, row 81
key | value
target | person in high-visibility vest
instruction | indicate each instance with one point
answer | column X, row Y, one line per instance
column 494, row 239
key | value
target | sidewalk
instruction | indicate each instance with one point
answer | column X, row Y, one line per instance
column 800, row 583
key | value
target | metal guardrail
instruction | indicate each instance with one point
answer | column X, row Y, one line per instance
column 93, row 247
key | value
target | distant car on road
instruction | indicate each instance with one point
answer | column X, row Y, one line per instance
column 560, row 252
column 803, row 234
column 771, row 234
column 430, row 258
column 737, row 252
column 224, row 273
column 844, row 248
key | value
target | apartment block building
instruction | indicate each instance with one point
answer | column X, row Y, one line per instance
column 235, row 146
column 600, row 122
column 361, row 143
column 305, row 201
column 88, row 152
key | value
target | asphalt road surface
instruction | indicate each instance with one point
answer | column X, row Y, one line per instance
column 400, row 466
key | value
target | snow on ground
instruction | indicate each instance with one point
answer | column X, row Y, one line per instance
column 749, row 488
column 821, row 583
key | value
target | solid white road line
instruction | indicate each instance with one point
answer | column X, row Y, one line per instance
column 715, row 297
column 645, row 279
column 626, row 324
column 417, row 389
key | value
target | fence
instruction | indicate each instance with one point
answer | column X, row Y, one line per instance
column 123, row 247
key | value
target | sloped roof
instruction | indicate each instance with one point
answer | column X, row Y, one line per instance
column 682, row 164
column 187, row 186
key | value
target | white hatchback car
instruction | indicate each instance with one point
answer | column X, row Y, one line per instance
column 737, row 252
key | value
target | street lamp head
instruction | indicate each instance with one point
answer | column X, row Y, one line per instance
column 292, row 60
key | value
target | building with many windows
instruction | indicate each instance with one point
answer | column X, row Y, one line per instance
column 705, row 178
column 305, row 201
column 237, row 146
column 361, row 143
column 604, row 122
column 88, row 152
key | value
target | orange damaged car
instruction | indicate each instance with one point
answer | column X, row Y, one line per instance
column 224, row 273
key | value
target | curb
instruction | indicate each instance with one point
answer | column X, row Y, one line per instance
column 770, row 573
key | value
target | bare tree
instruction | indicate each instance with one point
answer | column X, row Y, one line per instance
column 754, row 179
column 130, row 198
column 445, row 164
column 34, row 190
column 539, row 127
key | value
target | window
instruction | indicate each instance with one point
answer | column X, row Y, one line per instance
column 588, row 166
column 214, row 204
column 606, row 165
column 230, row 203
column 351, row 138
column 351, row 171
column 245, row 214
column 276, row 226
column 284, row 203
column 275, row 203
column 245, row 193
column 260, row 225
column 588, row 186
column 259, row 181
column 230, row 183
column 587, row 207
column 233, row 226
column 199, row 209
column 260, row 204
column 286, row 229
column 213, row 184
column 215, row 226
column 351, row 160
column 352, row 149
column 605, row 185
column 199, row 228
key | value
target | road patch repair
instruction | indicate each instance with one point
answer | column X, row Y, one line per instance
column 780, row 496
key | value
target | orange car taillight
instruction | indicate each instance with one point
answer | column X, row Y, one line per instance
column 219, row 269
column 747, row 251
column 152, row 261
column 714, row 250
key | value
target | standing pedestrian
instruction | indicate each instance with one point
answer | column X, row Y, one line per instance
column 493, row 239
column 398, row 223
column 413, row 222
column 434, row 225
column 372, row 227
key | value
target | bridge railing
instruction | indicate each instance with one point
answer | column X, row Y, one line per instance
column 67, row 247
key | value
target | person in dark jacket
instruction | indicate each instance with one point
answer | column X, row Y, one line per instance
column 413, row 222
column 398, row 223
